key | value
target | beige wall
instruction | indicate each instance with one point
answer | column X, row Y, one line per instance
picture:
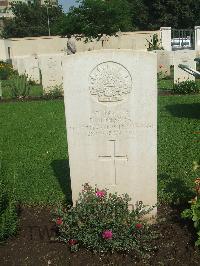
column 56, row 44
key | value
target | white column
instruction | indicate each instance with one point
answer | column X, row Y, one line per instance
column 197, row 38
column 165, row 33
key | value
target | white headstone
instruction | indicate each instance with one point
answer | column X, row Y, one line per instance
column 21, row 65
column 197, row 38
column 166, row 38
column 163, row 62
column 111, row 113
column 14, row 63
column 184, row 57
column 51, row 70
column 32, row 68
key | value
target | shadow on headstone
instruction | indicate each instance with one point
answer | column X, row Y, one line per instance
column 185, row 110
column 62, row 172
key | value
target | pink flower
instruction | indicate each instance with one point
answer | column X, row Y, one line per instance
column 72, row 242
column 59, row 221
column 100, row 193
column 138, row 226
column 161, row 66
column 107, row 234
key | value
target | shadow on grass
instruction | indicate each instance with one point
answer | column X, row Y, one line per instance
column 185, row 110
column 175, row 190
column 62, row 172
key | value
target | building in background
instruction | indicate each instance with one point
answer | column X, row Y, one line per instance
column 5, row 6
column 52, row 2
column 5, row 11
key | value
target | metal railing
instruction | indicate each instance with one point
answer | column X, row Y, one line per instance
column 183, row 39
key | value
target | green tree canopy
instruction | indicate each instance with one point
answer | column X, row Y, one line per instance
column 32, row 20
column 151, row 15
column 93, row 18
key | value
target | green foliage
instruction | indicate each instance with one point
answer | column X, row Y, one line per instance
column 54, row 92
column 93, row 18
column 20, row 87
column 186, row 87
column 194, row 212
column 32, row 20
column 154, row 43
column 7, row 85
column 102, row 222
column 6, row 70
column 151, row 15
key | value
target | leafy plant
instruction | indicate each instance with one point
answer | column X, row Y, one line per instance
column 194, row 211
column 186, row 87
column 154, row 43
column 55, row 92
column 20, row 87
column 94, row 18
column 6, row 70
column 101, row 221
column 162, row 74
column 30, row 19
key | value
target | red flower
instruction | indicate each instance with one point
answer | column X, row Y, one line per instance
column 100, row 193
column 107, row 234
column 59, row 221
column 138, row 226
column 72, row 242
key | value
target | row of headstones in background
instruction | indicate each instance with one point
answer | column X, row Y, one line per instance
column 47, row 69
column 184, row 58
column 163, row 62
column 111, row 112
column 44, row 69
column 166, row 59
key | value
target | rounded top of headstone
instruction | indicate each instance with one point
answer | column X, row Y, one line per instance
column 110, row 82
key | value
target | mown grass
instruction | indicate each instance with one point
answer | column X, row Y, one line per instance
column 33, row 148
column 178, row 146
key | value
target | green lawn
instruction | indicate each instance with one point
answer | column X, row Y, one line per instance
column 178, row 146
column 33, row 148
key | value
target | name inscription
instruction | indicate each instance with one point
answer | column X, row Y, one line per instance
column 110, row 123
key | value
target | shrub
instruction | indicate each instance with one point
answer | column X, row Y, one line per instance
column 154, row 43
column 6, row 70
column 8, row 214
column 194, row 211
column 101, row 221
column 20, row 87
column 186, row 87
column 55, row 92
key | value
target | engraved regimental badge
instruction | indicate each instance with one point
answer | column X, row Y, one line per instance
column 110, row 82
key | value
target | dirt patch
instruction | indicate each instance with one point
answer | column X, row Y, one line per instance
column 35, row 244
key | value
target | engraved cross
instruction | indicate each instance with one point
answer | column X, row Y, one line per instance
column 114, row 157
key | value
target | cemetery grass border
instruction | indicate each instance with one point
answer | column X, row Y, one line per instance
column 34, row 149
column 34, row 161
